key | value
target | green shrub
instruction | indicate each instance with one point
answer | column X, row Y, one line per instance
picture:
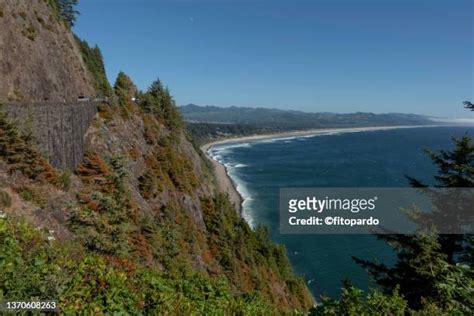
column 64, row 180
column 354, row 302
column 35, row 268
column 30, row 265
column 30, row 194
column 5, row 200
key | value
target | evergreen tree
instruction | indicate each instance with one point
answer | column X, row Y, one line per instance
column 16, row 148
column 454, row 295
column 156, row 89
column 67, row 11
column 170, row 111
column 151, row 100
column 455, row 170
column 94, row 61
column 424, row 261
column 158, row 100
column 125, row 89
column 148, row 103
column 419, row 262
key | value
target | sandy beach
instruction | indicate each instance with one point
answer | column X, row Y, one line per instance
column 226, row 184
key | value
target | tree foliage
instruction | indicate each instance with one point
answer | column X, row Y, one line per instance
column 354, row 302
column 158, row 101
column 35, row 268
column 126, row 93
column 248, row 255
column 66, row 10
column 124, row 89
column 18, row 150
column 94, row 61
column 103, row 218
column 434, row 269
column 455, row 292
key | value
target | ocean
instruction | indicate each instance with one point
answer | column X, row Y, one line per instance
column 363, row 159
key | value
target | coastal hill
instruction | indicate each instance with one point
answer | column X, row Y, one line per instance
column 286, row 119
column 210, row 122
column 138, row 225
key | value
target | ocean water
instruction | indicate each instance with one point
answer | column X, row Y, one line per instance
column 362, row 159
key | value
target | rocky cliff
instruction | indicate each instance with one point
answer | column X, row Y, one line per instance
column 39, row 57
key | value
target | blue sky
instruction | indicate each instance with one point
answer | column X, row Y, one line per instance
column 340, row 56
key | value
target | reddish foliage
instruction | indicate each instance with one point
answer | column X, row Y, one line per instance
column 49, row 174
column 143, row 248
column 119, row 262
column 93, row 170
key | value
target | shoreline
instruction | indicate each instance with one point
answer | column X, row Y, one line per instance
column 224, row 182
column 227, row 185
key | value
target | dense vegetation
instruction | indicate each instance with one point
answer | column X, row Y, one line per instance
column 205, row 132
column 94, row 62
column 125, row 90
column 35, row 267
column 159, row 102
column 139, row 245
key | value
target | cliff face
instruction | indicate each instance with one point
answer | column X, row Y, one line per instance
column 39, row 57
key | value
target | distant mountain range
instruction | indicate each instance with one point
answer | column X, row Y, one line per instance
column 276, row 119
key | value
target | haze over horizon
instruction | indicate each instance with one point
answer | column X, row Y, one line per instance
column 320, row 56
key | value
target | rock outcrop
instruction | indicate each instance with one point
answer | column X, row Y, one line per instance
column 39, row 57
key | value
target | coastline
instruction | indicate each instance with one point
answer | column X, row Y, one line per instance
column 224, row 182
column 227, row 185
